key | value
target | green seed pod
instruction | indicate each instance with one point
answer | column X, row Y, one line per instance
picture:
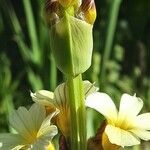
column 72, row 44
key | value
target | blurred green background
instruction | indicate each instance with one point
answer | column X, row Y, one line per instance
column 121, row 57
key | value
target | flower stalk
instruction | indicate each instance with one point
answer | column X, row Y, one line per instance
column 71, row 24
column 77, row 113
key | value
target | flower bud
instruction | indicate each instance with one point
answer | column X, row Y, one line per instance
column 72, row 44
column 89, row 11
column 52, row 12
column 67, row 3
column 63, row 145
column 71, row 35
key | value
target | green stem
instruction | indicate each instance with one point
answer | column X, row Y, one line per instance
column 9, row 105
column 53, row 74
column 148, row 92
column 32, row 31
column 77, row 111
column 112, row 21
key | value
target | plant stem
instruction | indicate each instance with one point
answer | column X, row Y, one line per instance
column 112, row 21
column 9, row 105
column 53, row 73
column 148, row 92
column 77, row 113
column 32, row 31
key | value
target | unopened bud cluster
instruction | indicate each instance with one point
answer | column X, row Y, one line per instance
column 84, row 10
column 71, row 23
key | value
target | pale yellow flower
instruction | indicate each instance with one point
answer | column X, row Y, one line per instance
column 33, row 128
column 124, row 127
column 59, row 100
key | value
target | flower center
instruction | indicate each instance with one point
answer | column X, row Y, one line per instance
column 30, row 139
column 124, row 123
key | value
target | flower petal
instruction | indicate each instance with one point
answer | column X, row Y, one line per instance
column 130, row 106
column 38, row 114
column 89, row 88
column 11, row 141
column 27, row 123
column 61, row 96
column 103, row 104
column 143, row 121
column 45, row 133
column 121, row 137
column 38, row 145
column 21, row 121
column 44, row 140
column 48, row 133
column 46, row 128
column 142, row 134
column 43, row 97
